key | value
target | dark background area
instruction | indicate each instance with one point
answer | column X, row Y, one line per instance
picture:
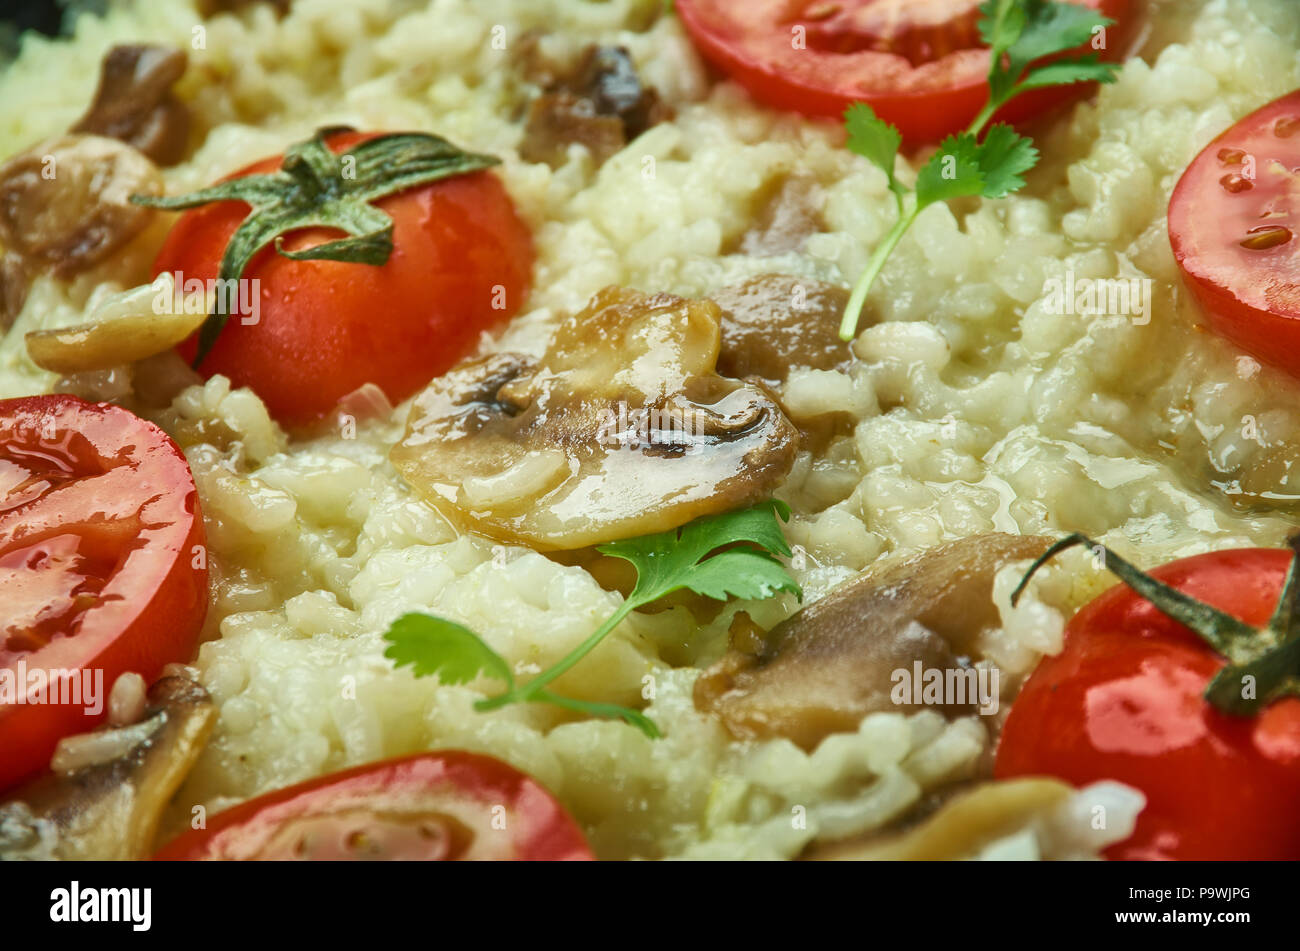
column 44, row 16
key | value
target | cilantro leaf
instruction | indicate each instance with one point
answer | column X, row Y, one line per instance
column 718, row 556
column 680, row 558
column 1004, row 156
column 875, row 140
column 1066, row 71
column 952, row 172
column 1000, row 25
column 435, row 646
column 1053, row 27
column 1020, row 32
column 741, row 573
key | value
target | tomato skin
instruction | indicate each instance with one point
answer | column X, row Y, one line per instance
column 751, row 43
column 327, row 327
column 1123, row 701
column 367, row 803
column 1251, row 297
column 124, row 496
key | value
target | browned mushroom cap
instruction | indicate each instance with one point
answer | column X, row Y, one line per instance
column 607, row 76
column 601, row 104
column 110, row 810
column 774, row 322
column 65, row 203
column 622, row 429
column 557, row 120
column 134, row 102
column 210, row 8
column 786, row 211
column 824, row 669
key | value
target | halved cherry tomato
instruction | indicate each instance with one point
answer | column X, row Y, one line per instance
column 1234, row 222
column 461, row 263
column 919, row 64
column 441, row 806
column 101, row 564
column 1123, row 701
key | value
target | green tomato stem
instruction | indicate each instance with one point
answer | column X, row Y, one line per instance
column 1269, row 656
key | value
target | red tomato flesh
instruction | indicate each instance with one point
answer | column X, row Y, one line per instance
column 441, row 806
column 462, row 262
column 919, row 64
column 1233, row 222
column 1123, row 701
column 100, row 533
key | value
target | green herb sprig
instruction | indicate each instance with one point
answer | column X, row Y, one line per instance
column 1019, row 33
column 718, row 556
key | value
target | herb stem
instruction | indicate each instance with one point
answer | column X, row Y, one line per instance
column 849, row 326
column 986, row 114
column 606, row 711
column 1019, row 34
column 731, row 554
column 853, row 311
column 531, row 689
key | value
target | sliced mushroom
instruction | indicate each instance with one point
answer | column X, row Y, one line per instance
column 607, row 76
column 210, row 8
column 822, row 670
column 623, row 428
column 788, row 212
column 560, row 119
column 109, row 808
column 14, row 284
column 602, row 105
column 65, row 203
column 126, row 327
column 531, row 62
column 99, row 386
column 774, row 322
column 963, row 827
column 158, row 380
column 134, row 103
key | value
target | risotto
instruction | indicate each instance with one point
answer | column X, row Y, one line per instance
column 980, row 398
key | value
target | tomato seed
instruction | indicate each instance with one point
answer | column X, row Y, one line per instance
column 1232, row 156
column 358, row 841
column 822, row 11
column 1286, row 127
column 1234, row 183
column 1265, row 237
